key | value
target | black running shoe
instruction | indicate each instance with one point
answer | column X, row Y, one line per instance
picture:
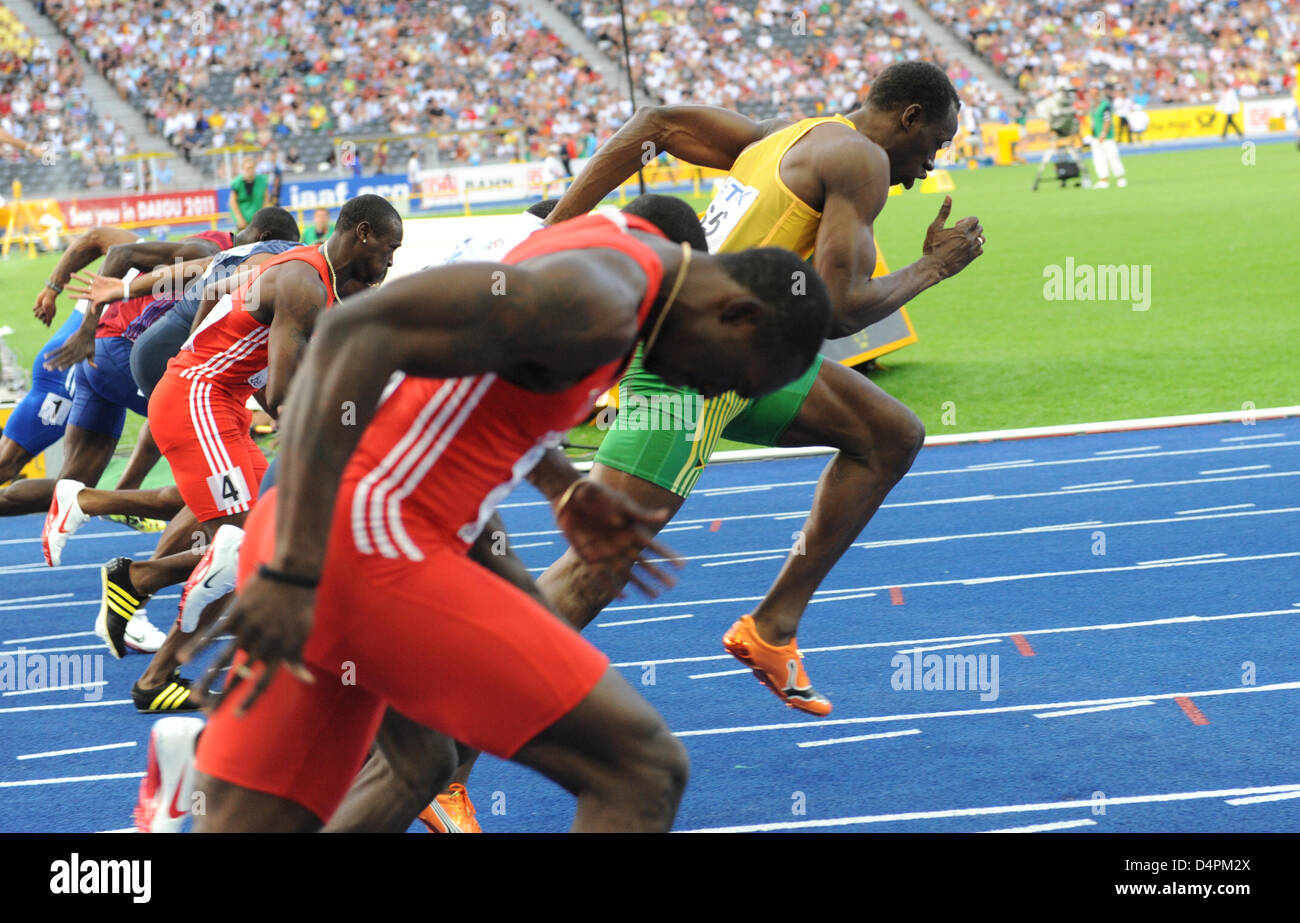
column 173, row 695
column 120, row 600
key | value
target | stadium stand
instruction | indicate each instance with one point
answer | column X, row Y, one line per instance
column 293, row 75
column 43, row 100
column 771, row 57
column 1156, row 52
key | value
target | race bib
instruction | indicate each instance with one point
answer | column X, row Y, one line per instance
column 731, row 199
column 229, row 489
column 258, row 380
column 55, row 409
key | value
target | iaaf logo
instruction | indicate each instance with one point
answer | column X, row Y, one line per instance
column 103, row 876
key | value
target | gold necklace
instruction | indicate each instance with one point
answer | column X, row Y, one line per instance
column 334, row 283
column 672, row 298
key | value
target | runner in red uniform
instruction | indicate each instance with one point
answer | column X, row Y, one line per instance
column 534, row 341
column 250, row 343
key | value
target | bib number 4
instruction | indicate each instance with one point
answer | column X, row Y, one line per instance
column 230, row 490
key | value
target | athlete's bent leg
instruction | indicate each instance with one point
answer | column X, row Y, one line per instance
column 877, row 438
column 231, row 808
column 153, row 503
column 614, row 752
column 408, row 767
column 143, row 457
column 87, row 455
column 13, row 458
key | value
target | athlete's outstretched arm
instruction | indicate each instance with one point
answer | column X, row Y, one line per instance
column 855, row 176
column 703, row 135
column 167, row 281
column 83, row 251
column 145, row 255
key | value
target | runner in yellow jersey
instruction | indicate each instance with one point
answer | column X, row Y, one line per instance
column 814, row 186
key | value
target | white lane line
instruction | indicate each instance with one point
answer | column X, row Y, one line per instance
column 1044, row 828
column 39, row 756
column 32, row 599
column 942, row 647
column 1081, row 804
column 119, row 830
column 1235, row 470
column 1190, row 557
column 25, row 708
column 994, row 466
column 977, row 581
column 1216, row 509
column 835, row 599
column 766, row 557
column 1135, row 448
column 67, row 779
column 1111, row 626
column 1096, row 484
column 102, row 682
column 993, row 710
column 680, row 529
column 531, row 544
column 1249, row 438
column 660, row 618
column 727, row 491
column 1089, row 711
column 790, row 514
column 744, row 670
column 67, row 634
column 52, row 650
column 97, row 601
column 1260, row 799
column 860, row 737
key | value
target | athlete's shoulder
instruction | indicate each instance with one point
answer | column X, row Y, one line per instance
column 843, row 154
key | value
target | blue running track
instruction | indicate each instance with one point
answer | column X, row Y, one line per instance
column 1133, row 594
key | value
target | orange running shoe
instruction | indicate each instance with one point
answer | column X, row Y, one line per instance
column 778, row 668
column 451, row 812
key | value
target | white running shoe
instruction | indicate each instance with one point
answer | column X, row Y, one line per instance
column 214, row 577
column 64, row 518
column 142, row 635
column 166, row 788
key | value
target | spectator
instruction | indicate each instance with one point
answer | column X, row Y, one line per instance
column 248, row 193
column 321, row 227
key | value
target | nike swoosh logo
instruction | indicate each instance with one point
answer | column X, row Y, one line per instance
column 171, row 808
column 207, row 584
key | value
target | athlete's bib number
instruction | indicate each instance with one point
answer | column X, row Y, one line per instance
column 731, row 199
column 229, row 489
column 55, row 409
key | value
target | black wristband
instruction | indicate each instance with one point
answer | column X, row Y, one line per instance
column 52, row 287
column 279, row 576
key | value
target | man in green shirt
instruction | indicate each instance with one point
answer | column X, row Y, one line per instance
column 320, row 229
column 248, row 193
column 1105, row 152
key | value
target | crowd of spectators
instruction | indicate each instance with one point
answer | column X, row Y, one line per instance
column 1155, row 52
column 289, row 76
column 43, row 103
column 265, row 72
column 768, row 57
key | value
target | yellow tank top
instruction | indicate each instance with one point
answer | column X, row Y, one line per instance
column 752, row 207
